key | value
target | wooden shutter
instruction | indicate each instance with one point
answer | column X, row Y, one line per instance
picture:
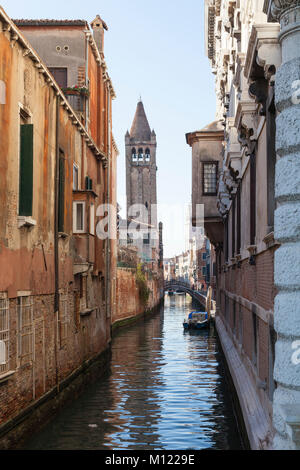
column 60, row 75
column 26, row 170
column 61, row 194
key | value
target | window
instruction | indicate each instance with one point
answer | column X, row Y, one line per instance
column 26, row 169
column 204, row 271
column 61, row 192
column 252, row 199
column 63, row 319
column 4, row 335
column 204, row 256
column 146, row 239
column 147, row 155
column 238, row 218
column 240, row 324
column 210, row 172
column 60, row 75
column 75, row 178
column 234, row 316
column 88, row 183
column 83, row 292
column 255, row 338
column 25, row 328
column 78, row 217
column 141, row 154
column 134, row 155
column 92, row 219
column 233, row 227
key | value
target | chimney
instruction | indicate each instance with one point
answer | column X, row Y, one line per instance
column 98, row 27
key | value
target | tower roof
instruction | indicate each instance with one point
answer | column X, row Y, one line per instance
column 140, row 129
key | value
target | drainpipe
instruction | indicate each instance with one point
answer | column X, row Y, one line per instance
column 87, row 34
column 56, row 254
column 108, row 247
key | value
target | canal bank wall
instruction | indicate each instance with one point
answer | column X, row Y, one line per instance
column 256, row 418
column 18, row 429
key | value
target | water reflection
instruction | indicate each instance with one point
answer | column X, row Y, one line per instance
column 165, row 390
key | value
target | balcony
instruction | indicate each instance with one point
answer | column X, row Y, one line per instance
column 77, row 98
column 207, row 158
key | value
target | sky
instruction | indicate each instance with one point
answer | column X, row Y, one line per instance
column 154, row 49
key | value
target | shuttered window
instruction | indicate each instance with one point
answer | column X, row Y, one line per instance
column 26, row 170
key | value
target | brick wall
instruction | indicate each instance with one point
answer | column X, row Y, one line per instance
column 128, row 302
column 246, row 300
column 51, row 360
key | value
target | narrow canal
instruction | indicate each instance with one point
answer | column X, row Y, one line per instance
column 166, row 390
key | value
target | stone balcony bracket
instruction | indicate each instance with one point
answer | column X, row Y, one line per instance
column 264, row 51
column 26, row 222
column 252, row 249
column 270, row 241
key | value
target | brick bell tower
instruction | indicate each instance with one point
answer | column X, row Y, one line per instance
column 141, row 170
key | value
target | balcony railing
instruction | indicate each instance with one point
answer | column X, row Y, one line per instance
column 77, row 101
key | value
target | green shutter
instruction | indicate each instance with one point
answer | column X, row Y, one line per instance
column 88, row 183
column 61, row 195
column 26, row 170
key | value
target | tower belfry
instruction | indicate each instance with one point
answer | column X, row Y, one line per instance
column 141, row 171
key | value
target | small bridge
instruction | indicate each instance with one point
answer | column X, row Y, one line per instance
column 185, row 287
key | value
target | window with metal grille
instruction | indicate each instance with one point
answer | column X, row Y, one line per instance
column 25, row 328
column 63, row 319
column 210, row 172
column 4, row 335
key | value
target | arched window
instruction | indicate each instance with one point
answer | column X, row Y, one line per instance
column 141, row 154
column 134, row 155
column 147, row 155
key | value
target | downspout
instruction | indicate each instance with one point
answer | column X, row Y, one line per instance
column 87, row 78
column 56, row 248
column 108, row 247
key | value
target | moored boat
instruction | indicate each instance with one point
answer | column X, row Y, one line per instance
column 196, row 321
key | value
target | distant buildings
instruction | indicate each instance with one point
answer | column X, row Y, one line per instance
column 192, row 267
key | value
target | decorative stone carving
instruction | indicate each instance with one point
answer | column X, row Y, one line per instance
column 278, row 8
column 259, row 91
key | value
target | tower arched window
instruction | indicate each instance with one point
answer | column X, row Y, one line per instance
column 140, row 154
column 134, row 155
column 147, row 155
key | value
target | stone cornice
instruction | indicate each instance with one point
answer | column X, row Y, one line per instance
column 197, row 136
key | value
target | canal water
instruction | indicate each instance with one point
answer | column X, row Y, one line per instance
column 166, row 390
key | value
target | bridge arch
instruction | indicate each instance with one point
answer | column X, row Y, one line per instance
column 185, row 287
